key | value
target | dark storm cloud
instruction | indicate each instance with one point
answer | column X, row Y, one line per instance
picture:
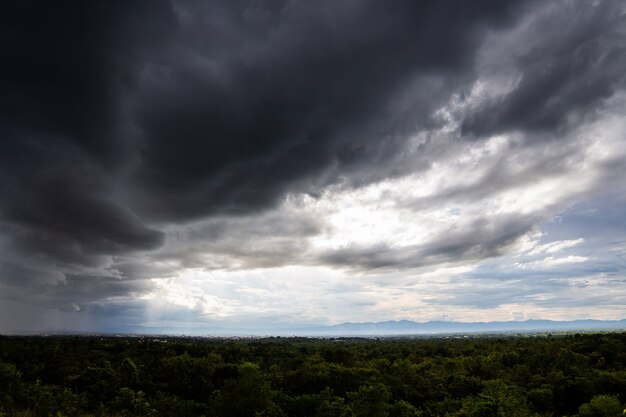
column 69, row 292
column 59, row 221
column 574, row 59
column 63, row 145
column 65, row 68
column 250, row 101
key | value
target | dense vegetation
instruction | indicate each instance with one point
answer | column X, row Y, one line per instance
column 583, row 375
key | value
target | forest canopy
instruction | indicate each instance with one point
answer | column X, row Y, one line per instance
column 580, row 375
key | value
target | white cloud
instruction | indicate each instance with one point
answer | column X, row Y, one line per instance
column 556, row 246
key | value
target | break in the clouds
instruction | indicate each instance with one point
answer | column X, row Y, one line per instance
column 266, row 164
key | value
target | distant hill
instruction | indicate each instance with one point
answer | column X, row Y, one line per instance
column 407, row 327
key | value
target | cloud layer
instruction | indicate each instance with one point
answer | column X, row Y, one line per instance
column 229, row 157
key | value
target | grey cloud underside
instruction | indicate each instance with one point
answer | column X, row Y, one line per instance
column 69, row 291
column 561, row 80
column 483, row 238
column 135, row 132
column 267, row 240
column 517, row 165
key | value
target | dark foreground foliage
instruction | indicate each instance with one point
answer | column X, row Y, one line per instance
column 581, row 375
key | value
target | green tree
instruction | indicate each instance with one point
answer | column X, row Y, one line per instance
column 335, row 407
column 370, row 401
column 601, row 406
column 10, row 384
column 250, row 394
column 129, row 373
column 132, row 402
column 100, row 383
column 541, row 399
column 403, row 409
column 479, row 406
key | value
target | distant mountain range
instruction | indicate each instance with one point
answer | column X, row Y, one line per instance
column 383, row 328
column 407, row 327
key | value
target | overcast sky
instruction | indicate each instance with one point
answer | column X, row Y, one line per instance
column 198, row 165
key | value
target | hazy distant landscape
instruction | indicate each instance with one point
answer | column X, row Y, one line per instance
column 387, row 328
column 406, row 327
